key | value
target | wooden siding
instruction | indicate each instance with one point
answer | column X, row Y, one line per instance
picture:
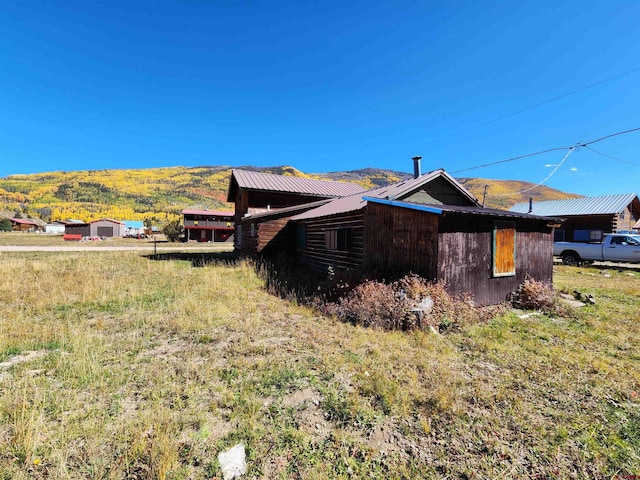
column 274, row 236
column 465, row 257
column 627, row 219
column 439, row 192
column 316, row 255
column 247, row 199
column 245, row 243
column 604, row 223
column 400, row 240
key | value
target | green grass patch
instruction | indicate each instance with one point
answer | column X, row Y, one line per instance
column 148, row 369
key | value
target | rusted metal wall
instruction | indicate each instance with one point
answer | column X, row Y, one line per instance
column 399, row 241
column 318, row 256
column 465, row 261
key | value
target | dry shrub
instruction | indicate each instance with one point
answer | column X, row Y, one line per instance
column 534, row 295
column 389, row 306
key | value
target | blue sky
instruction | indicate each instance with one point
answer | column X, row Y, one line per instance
column 323, row 86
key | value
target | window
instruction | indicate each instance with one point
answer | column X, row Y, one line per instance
column 339, row 239
column 504, row 250
column 587, row 235
column 253, row 229
column 558, row 236
column 238, row 235
column 301, row 236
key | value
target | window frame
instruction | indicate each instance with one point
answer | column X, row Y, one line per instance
column 503, row 241
column 301, row 236
column 338, row 239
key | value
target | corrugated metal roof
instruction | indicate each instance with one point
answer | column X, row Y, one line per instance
column 608, row 204
column 280, row 183
column 107, row 220
column 24, row 221
column 215, row 213
column 391, row 192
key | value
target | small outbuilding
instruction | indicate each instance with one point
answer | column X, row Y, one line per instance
column 23, row 225
column 55, row 228
column 105, row 227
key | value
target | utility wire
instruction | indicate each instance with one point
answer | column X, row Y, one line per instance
column 611, row 157
column 526, row 109
column 542, row 182
column 580, row 144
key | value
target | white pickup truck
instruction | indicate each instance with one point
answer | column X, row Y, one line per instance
column 615, row 247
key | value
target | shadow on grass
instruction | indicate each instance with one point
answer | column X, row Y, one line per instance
column 287, row 278
column 197, row 259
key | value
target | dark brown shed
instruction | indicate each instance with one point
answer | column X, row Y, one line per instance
column 484, row 252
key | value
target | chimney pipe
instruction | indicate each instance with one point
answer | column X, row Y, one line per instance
column 416, row 166
column 530, row 205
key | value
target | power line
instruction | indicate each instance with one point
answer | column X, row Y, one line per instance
column 611, row 157
column 526, row 109
column 579, row 144
column 543, row 181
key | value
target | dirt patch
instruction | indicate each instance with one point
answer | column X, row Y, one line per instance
column 384, row 438
column 164, row 350
column 308, row 414
column 24, row 357
column 302, row 397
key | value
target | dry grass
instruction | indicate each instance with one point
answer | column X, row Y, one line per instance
column 147, row 369
column 50, row 240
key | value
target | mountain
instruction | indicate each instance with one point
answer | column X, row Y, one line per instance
column 161, row 193
column 504, row 194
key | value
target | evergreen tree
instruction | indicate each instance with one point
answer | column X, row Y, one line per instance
column 5, row 225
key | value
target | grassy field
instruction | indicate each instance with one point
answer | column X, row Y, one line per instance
column 117, row 366
column 48, row 240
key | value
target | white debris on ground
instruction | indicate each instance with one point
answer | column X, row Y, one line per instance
column 232, row 462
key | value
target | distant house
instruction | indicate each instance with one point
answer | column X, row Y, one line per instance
column 55, row 228
column 429, row 225
column 260, row 193
column 23, row 225
column 105, row 227
column 588, row 218
column 208, row 225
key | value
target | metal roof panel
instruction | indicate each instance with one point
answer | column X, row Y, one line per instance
column 604, row 205
column 216, row 213
column 394, row 191
column 304, row 186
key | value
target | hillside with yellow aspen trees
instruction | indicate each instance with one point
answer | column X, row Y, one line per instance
column 160, row 194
